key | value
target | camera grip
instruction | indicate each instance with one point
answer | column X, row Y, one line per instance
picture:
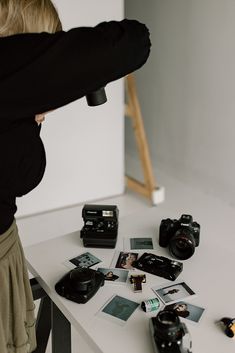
column 97, row 97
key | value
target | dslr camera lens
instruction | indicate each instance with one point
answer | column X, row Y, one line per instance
column 182, row 236
column 182, row 245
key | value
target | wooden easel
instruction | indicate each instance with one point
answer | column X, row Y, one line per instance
column 133, row 111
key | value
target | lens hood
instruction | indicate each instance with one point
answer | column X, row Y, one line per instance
column 168, row 325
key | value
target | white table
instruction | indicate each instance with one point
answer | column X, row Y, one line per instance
column 209, row 273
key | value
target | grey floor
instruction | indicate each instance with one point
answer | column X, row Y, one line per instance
column 180, row 197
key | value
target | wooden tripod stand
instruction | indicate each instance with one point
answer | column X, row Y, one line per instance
column 149, row 188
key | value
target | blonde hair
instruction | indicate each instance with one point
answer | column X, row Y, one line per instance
column 24, row 16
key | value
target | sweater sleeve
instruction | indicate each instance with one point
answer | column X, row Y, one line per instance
column 42, row 71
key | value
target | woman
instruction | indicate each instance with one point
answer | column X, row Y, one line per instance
column 129, row 260
column 43, row 68
column 181, row 309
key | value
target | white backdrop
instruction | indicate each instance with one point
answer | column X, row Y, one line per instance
column 187, row 92
column 84, row 145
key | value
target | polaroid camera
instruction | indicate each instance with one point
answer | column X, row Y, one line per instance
column 80, row 284
column 100, row 226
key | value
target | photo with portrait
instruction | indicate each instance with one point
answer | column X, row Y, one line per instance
column 186, row 310
column 114, row 275
column 124, row 260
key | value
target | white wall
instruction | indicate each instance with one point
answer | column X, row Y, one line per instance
column 187, row 91
column 84, row 145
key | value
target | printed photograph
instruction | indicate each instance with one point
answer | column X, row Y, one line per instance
column 173, row 293
column 83, row 260
column 125, row 260
column 118, row 309
column 187, row 311
column 114, row 275
column 141, row 243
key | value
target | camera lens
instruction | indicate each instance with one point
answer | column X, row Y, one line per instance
column 182, row 244
column 167, row 318
column 168, row 326
column 82, row 278
column 96, row 98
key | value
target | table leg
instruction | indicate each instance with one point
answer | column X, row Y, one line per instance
column 43, row 322
column 61, row 331
column 43, row 325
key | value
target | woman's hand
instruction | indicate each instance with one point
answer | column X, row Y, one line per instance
column 39, row 118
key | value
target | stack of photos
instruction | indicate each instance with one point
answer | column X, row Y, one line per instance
column 172, row 296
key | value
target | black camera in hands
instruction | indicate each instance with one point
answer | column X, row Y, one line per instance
column 159, row 265
column 181, row 236
column 97, row 97
column 100, row 226
column 168, row 334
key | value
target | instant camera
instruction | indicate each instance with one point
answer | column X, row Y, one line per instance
column 100, row 226
column 80, row 284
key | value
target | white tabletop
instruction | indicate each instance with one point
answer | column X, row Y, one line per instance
column 209, row 272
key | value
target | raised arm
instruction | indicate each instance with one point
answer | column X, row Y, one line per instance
column 41, row 72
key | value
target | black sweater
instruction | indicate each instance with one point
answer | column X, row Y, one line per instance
column 41, row 72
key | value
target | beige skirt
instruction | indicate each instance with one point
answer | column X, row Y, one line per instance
column 17, row 319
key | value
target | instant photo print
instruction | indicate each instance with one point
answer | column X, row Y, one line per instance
column 114, row 275
column 187, row 311
column 118, row 310
column 141, row 243
column 138, row 243
column 84, row 260
column 124, row 259
column 173, row 293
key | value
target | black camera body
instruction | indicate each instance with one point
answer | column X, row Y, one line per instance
column 182, row 236
column 80, row 284
column 168, row 334
column 159, row 266
column 100, row 226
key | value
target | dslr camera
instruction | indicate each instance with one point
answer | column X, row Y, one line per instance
column 159, row 266
column 100, row 226
column 168, row 334
column 80, row 284
column 181, row 236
